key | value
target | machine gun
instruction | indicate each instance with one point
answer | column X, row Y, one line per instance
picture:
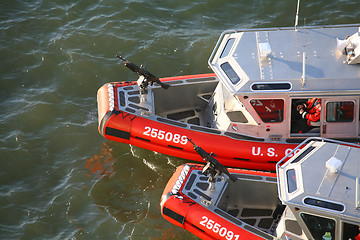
column 212, row 165
column 145, row 77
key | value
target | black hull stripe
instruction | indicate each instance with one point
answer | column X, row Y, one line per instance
column 144, row 139
column 170, row 213
column 241, row 159
column 117, row 133
column 180, row 148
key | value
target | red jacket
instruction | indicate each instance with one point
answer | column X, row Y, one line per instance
column 312, row 110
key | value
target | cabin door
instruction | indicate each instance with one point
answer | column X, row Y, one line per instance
column 339, row 117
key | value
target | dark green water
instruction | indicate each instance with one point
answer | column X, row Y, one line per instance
column 59, row 178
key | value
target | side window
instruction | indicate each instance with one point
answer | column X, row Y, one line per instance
column 340, row 111
column 319, row 227
column 269, row 110
column 230, row 73
column 291, row 180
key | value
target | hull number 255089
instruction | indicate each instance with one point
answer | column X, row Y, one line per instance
column 167, row 136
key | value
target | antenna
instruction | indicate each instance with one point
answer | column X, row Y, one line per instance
column 357, row 197
column 297, row 15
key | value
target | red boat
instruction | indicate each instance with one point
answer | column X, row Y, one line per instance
column 310, row 197
column 247, row 112
column 169, row 136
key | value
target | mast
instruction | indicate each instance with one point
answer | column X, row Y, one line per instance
column 297, row 15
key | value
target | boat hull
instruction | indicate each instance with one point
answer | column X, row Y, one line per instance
column 181, row 210
column 169, row 137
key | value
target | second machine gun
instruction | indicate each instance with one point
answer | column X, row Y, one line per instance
column 212, row 165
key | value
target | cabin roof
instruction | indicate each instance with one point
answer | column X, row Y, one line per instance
column 317, row 185
column 282, row 62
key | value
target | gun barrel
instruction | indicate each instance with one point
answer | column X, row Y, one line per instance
column 191, row 141
column 133, row 67
column 123, row 59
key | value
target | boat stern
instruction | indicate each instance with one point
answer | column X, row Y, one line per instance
column 169, row 199
column 103, row 104
column 113, row 123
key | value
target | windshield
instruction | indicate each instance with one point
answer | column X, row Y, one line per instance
column 319, row 227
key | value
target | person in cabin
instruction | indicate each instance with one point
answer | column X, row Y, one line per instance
column 309, row 115
column 351, row 232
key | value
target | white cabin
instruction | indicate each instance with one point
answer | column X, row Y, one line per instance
column 320, row 187
column 265, row 73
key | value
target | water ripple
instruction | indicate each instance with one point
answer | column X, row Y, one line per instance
column 60, row 178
